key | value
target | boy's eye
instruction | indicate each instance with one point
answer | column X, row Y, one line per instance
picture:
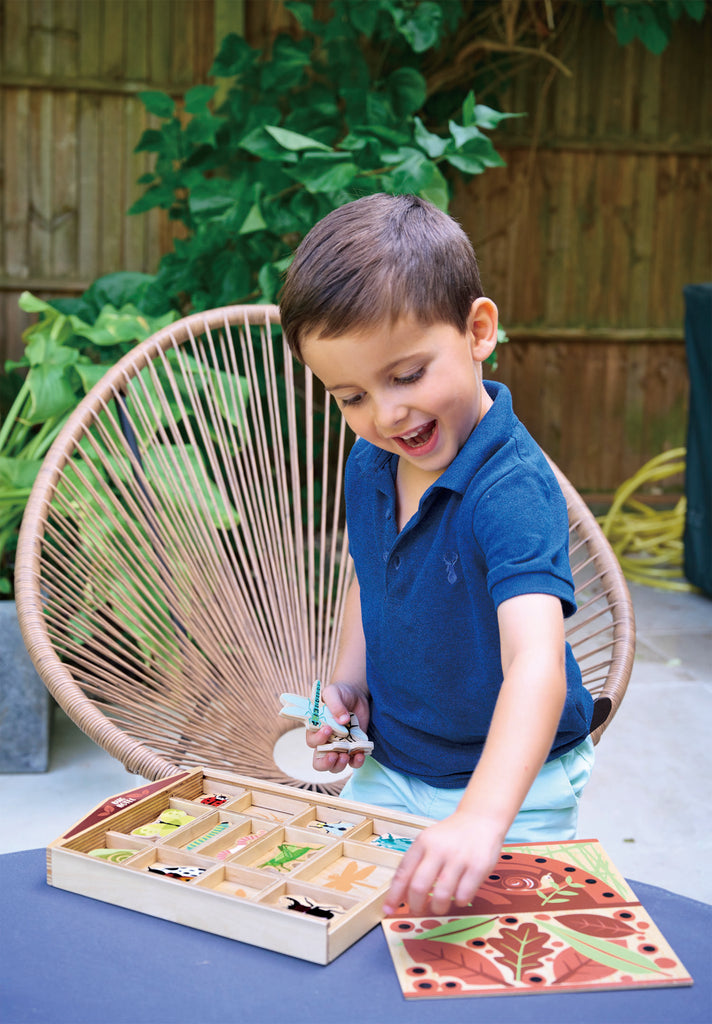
column 410, row 378
column 351, row 400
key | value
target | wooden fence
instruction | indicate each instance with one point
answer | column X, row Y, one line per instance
column 586, row 239
column 70, row 118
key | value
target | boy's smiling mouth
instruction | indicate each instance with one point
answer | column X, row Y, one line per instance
column 418, row 438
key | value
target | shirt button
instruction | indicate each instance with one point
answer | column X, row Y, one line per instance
column 396, row 562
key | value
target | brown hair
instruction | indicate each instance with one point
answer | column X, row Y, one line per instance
column 374, row 260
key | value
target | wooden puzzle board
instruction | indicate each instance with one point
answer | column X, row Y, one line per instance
column 306, row 875
column 288, row 870
column 550, row 918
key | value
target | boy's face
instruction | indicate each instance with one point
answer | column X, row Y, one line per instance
column 411, row 390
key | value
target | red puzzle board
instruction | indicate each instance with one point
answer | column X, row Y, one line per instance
column 549, row 918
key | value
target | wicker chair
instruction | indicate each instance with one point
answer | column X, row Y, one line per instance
column 183, row 557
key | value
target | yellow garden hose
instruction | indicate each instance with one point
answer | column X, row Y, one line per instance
column 648, row 542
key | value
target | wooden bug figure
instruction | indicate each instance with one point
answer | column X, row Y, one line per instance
column 308, row 906
column 314, row 713
column 288, row 852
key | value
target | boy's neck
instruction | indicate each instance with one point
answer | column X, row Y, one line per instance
column 412, row 482
column 411, row 485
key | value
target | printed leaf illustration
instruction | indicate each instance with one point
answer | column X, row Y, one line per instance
column 455, row 961
column 459, row 930
column 572, row 968
column 597, row 924
column 604, row 952
column 522, row 949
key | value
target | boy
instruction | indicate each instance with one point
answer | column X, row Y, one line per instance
column 453, row 655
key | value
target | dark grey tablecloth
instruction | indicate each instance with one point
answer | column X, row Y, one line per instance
column 67, row 958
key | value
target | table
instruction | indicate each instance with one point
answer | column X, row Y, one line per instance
column 67, row 958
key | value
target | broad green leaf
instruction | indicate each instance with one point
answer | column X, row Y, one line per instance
column 31, row 304
column 43, row 350
column 51, row 393
column 18, row 473
column 293, row 141
column 90, row 374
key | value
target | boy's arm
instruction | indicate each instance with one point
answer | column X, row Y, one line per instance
column 451, row 858
column 348, row 690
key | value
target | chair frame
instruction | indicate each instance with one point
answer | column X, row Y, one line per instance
column 602, row 632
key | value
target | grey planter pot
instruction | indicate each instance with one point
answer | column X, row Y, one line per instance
column 25, row 704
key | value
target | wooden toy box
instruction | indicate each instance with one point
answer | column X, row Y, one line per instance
column 292, row 871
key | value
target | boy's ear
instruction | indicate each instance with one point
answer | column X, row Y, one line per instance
column 482, row 327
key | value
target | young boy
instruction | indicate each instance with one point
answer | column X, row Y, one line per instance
column 453, row 655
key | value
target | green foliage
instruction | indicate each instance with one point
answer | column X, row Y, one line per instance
column 65, row 355
column 338, row 110
column 651, row 21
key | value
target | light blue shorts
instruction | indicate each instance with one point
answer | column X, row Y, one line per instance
column 549, row 812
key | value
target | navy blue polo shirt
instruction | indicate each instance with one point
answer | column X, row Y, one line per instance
column 493, row 526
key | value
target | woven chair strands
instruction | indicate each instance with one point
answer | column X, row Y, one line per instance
column 183, row 558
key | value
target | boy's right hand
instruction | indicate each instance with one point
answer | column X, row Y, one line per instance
column 342, row 700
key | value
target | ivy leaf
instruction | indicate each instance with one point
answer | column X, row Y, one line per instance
column 293, row 141
column 407, row 90
column 327, row 172
column 202, row 129
column 234, row 57
column 150, row 142
column 157, row 195
column 198, row 98
column 254, row 221
column 486, row 117
column 434, row 145
column 422, row 29
column 437, row 191
column 158, row 103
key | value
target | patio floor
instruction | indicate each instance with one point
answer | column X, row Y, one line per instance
column 648, row 801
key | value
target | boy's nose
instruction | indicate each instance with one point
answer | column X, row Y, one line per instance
column 389, row 414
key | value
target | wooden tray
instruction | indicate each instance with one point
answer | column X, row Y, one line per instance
column 292, row 871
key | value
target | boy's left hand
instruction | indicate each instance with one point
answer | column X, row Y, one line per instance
column 446, row 864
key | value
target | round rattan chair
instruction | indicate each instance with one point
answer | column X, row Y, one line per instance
column 183, row 557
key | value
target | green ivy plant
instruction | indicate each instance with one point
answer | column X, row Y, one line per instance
column 651, row 21
column 338, row 110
